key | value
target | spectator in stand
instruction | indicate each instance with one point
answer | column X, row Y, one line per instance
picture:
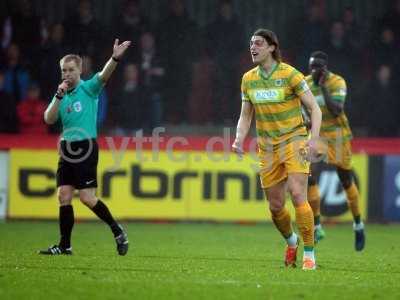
column 26, row 29
column 223, row 39
column 54, row 48
column 83, row 33
column 5, row 35
column 391, row 19
column 8, row 112
column 352, row 29
column 131, row 23
column 308, row 33
column 344, row 60
column 127, row 104
column 178, row 40
column 30, row 112
column 341, row 52
column 17, row 78
column 151, row 80
column 380, row 96
column 385, row 51
column 87, row 73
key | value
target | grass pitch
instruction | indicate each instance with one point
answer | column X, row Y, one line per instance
column 194, row 261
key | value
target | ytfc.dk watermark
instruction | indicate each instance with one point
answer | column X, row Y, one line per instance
column 216, row 148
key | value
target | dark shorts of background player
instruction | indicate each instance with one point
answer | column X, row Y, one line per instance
column 77, row 165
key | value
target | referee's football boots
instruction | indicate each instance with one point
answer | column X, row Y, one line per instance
column 122, row 242
column 56, row 250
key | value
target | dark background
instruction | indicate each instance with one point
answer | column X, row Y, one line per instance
column 202, row 54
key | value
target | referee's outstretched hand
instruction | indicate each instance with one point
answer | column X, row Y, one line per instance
column 119, row 49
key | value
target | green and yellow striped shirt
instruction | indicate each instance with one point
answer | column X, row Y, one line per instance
column 276, row 101
column 332, row 127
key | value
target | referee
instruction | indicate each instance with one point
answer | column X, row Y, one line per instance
column 75, row 104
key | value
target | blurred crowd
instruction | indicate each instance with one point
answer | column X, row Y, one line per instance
column 181, row 73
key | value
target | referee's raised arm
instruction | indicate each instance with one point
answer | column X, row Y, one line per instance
column 118, row 52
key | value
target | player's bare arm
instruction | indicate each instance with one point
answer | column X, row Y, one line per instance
column 311, row 104
column 51, row 113
column 243, row 126
column 111, row 64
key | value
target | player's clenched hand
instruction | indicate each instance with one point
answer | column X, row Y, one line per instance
column 119, row 49
column 313, row 151
column 237, row 147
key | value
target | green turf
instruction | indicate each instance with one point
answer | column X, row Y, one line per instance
column 194, row 261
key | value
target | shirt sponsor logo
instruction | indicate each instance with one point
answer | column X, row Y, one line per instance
column 271, row 95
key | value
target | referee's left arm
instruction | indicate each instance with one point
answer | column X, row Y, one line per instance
column 118, row 52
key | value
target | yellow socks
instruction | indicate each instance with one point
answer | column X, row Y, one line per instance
column 282, row 221
column 352, row 200
column 305, row 223
column 314, row 199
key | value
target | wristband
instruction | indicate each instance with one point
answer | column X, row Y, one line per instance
column 115, row 59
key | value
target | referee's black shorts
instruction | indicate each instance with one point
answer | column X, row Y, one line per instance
column 77, row 165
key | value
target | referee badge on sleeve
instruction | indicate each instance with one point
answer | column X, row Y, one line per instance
column 77, row 106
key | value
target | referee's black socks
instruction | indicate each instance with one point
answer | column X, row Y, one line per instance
column 101, row 210
column 66, row 221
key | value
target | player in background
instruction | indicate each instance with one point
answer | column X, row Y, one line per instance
column 330, row 91
column 275, row 91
